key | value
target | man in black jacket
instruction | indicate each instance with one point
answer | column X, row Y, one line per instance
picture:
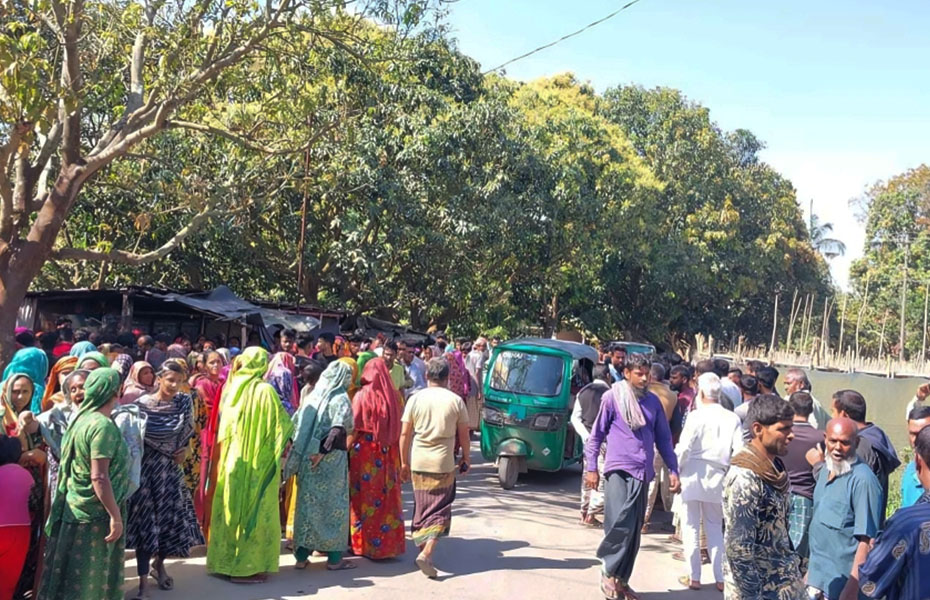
column 584, row 413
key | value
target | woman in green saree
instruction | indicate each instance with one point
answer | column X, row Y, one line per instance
column 319, row 460
column 84, row 553
column 245, row 528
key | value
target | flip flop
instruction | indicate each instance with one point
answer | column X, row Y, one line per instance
column 609, row 588
column 689, row 583
column 629, row 594
column 426, row 566
column 301, row 564
column 164, row 583
column 342, row 565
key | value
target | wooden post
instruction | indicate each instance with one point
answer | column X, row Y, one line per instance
column 923, row 348
column 862, row 307
column 126, row 313
column 842, row 324
column 810, row 318
column 774, row 328
column 881, row 341
column 792, row 316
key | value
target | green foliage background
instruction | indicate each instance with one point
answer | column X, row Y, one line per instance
column 436, row 194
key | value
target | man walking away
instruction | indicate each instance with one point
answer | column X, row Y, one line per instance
column 760, row 564
column 898, row 566
column 432, row 418
column 633, row 424
column 796, row 381
column 875, row 448
column 584, row 413
column 801, row 474
column 911, row 486
column 847, row 510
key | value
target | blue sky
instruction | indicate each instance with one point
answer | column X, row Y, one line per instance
column 839, row 91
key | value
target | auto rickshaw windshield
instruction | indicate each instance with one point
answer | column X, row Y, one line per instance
column 527, row 374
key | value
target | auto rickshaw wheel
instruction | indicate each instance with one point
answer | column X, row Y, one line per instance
column 508, row 468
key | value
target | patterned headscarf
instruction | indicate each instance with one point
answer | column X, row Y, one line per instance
column 332, row 382
column 123, row 364
column 281, row 376
column 353, row 385
column 66, row 364
column 177, row 351
column 9, row 414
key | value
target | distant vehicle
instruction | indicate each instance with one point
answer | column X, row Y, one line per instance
column 528, row 395
column 634, row 347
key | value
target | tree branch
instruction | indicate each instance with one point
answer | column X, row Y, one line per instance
column 70, row 18
column 250, row 144
column 131, row 258
column 8, row 151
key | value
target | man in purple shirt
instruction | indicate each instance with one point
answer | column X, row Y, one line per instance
column 632, row 422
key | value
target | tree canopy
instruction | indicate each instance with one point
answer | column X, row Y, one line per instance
column 430, row 193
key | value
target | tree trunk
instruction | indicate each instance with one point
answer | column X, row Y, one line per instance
column 552, row 316
column 11, row 298
column 22, row 260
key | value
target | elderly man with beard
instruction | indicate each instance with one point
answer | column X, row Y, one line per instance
column 759, row 561
column 847, row 513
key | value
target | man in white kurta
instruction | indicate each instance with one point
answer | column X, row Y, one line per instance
column 711, row 435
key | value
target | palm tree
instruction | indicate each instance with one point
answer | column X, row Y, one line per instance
column 820, row 240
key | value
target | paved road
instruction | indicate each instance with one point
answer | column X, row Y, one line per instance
column 523, row 543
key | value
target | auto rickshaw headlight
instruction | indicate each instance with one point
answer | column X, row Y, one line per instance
column 546, row 422
column 493, row 416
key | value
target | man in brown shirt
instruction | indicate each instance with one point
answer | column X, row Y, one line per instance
column 669, row 399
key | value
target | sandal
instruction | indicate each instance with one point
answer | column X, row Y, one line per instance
column 609, row 588
column 426, row 566
column 689, row 583
column 164, row 583
column 300, row 565
column 629, row 594
column 342, row 565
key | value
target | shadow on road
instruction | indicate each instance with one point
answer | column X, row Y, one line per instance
column 486, row 555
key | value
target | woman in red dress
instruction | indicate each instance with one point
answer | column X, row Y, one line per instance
column 209, row 386
column 377, row 516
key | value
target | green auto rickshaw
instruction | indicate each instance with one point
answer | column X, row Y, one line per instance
column 528, row 397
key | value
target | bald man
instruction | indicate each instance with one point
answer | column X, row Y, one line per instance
column 847, row 513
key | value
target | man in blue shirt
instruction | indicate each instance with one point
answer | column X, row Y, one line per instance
column 898, row 566
column 847, row 510
column 911, row 488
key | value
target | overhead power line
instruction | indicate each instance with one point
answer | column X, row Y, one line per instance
column 564, row 37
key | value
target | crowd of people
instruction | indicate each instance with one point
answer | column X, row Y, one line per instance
column 786, row 498
column 160, row 444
